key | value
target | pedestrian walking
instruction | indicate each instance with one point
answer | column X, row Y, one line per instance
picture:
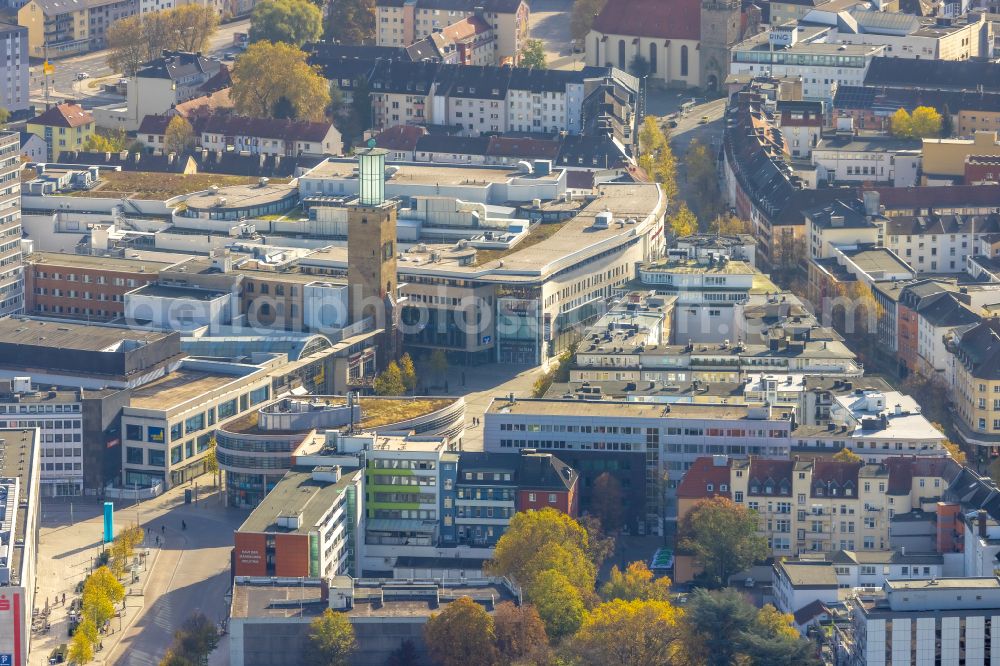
column 163, row 529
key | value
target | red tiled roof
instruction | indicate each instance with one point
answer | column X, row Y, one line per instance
column 154, row 125
column 664, row 19
column 270, row 128
column 63, row 115
column 524, row 148
column 810, row 611
column 400, row 137
column 468, row 27
column 703, row 472
column 205, row 105
column 902, row 470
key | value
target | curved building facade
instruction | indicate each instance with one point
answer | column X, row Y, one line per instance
column 257, row 449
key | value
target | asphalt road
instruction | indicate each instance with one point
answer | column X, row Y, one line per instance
column 63, row 83
column 549, row 22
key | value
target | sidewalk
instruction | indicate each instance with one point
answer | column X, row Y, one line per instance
column 69, row 541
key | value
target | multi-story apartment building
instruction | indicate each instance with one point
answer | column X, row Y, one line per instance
column 81, row 286
column 11, row 263
column 14, row 78
column 976, row 389
column 661, row 440
column 308, row 525
column 488, row 99
column 269, row 136
column 492, row 487
column 63, row 127
column 404, row 22
column 61, row 29
column 55, row 28
column 937, row 243
column 161, row 84
column 932, row 620
column 805, row 505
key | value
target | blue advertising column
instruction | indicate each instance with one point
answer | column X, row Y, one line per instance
column 109, row 522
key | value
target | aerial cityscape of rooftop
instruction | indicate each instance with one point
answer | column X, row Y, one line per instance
column 500, row 332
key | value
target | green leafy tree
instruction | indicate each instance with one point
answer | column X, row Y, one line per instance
column 629, row 633
column 405, row 655
column 175, row 658
column 582, row 17
column 114, row 142
column 683, row 222
column 361, row 105
column 606, row 501
column 212, row 461
column 351, row 21
column 773, row 639
column 179, row 136
column 714, row 621
column 846, row 455
column 656, row 157
column 901, row 124
column 730, row 224
column 331, row 640
column 135, row 40
column 540, row 540
column 408, row 372
column 600, row 546
column 520, row 634
column 439, row 363
column 290, row 21
column 97, row 606
column 463, row 633
column 639, row 66
column 704, row 196
column 4, row 116
column 390, row 381
column 723, row 537
column 338, row 103
column 559, row 603
column 197, row 637
column 533, row 54
column 81, row 650
column 947, row 123
column 926, row 122
column 269, row 79
column 105, row 581
column 635, row 583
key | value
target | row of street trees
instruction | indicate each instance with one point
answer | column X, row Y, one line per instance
column 702, row 200
column 630, row 620
column 102, row 592
column 136, row 40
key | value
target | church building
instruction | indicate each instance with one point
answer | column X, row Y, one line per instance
column 682, row 43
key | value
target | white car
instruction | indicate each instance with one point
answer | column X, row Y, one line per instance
column 80, row 76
